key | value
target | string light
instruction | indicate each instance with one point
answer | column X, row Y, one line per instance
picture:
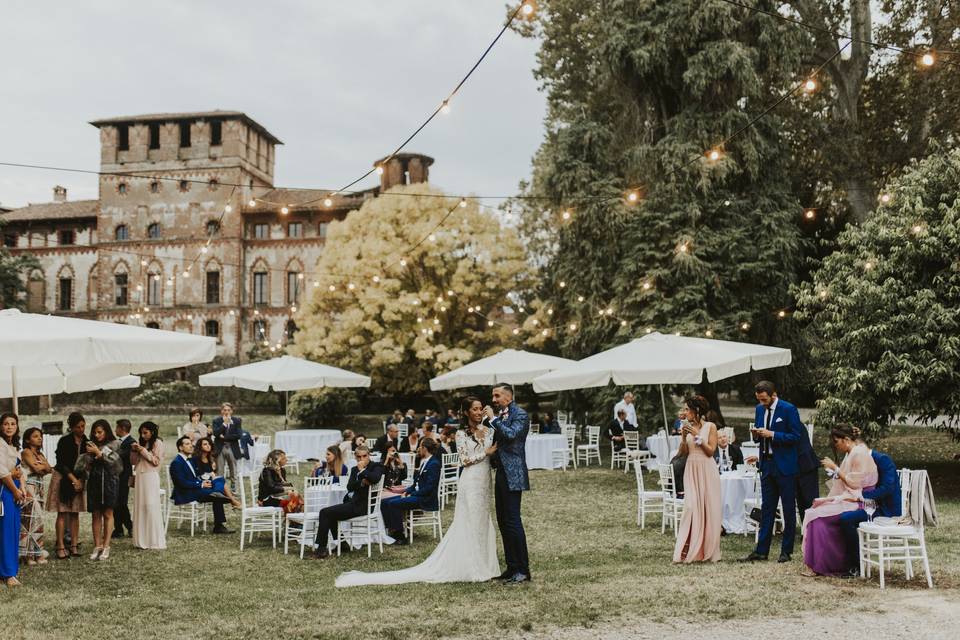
column 563, row 284
column 545, row 332
column 580, row 298
column 489, row 323
column 256, row 312
column 450, row 294
column 917, row 229
column 527, row 9
column 708, row 333
column 463, row 203
column 623, row 323
column 351, row 286
column 376, row 279
column 403, row 262
column 328, row 202
column 647, row 286
column 810, row 85
column 516, row 332
column 293, row 309
column 432, row 238
column 227, row 209
column 252, row 203
column 633, row 196
column 713, row 155
column 203, row 249
column 649, row 330
column 316, row 283
column 928, row 59
column 332, row 288
column 565, row 215
column 683, row 248
column 379, row 170
column 868, row 265
column 139, row 287
column 445, row 107
column 169, row 282
column 573, row 326
column 885, row 198
column 745, row 326
column 781, row 314
column 810, row 214
column 284, row 210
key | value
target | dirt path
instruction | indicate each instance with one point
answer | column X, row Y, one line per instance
column 909, row 615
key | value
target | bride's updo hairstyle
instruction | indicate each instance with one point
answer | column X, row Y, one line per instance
column 465, row 405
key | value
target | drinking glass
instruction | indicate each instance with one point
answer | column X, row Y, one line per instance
column 870, row 507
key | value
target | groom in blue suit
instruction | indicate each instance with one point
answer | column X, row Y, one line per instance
column 189, row 487
column 511, row 425
column 781, row 433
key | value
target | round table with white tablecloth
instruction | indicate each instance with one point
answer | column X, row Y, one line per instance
column 326, row 496
column 539, row 449
column 660, row 447
column 306, row 443
column 735, row 487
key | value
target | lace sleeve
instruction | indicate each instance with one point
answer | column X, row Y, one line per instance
column 468, row 450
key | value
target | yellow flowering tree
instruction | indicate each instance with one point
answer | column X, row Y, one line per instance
column 393, row 291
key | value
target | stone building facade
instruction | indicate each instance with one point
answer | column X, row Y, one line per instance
column 189, row 232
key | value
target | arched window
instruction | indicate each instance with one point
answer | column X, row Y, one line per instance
column 260, row 330
column 65, row 289
column 153, row 325
column 153, row 287
column 211, row 328
column 213, row 228
column 121, row 232
column 153, row 230
column 36, row 292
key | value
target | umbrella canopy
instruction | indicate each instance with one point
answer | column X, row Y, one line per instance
column 286, row 373
column 56, row 354
column 510, row 366
column 123, row 382
column 664, row 359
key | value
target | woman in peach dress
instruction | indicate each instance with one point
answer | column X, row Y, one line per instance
column 824, row 551
column 698, row 534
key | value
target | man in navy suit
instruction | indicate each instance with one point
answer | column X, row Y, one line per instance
column 227, row 432
column 121, row 515
column 363, row 476
column 778, row 426
column 886, row 495
column 422, row 494
column 510, row 427
column 189, row 487
column 808, row 474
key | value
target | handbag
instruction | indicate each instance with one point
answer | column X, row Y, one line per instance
column 756, row 514
column 293, row 504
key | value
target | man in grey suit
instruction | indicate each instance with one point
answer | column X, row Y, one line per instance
column 511, row 425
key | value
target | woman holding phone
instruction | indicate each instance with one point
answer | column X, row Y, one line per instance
column 66, row 497
column 100, row 467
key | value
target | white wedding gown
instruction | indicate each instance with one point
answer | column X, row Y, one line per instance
column 468, row 551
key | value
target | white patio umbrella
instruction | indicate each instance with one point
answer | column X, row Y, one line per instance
column 664, row 359
column 44, row 354
column 123, row 382
column 510, row 366
column 286, row 373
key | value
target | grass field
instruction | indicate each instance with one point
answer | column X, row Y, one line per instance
column 591, row 565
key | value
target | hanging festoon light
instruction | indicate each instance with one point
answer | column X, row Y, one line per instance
column 284, row 210
column 632, row 196
column 463, row 203
column 328, row 202
column 781, row 314
column 227, row 209
column 527, row 8
column 251, row 203
column 928, row 59
column 809, row 214
column 810, row 85
column 715, row 154
column 445, row 107
column 744, row 326
column 332, row 288
column 885, row 198
column 566, row 215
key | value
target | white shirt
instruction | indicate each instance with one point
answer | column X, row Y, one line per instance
column 769, row 414
column 724, row 454
column 629, row 408
column 187, row 460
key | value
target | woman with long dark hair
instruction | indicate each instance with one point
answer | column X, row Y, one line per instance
column 146, row 456
column 205, row 466
column 11, row 497
column 31, row 516
column 698, row 534
column 100, row 467
column 66, row 496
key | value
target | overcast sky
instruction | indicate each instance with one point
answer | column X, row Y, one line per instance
column 341, row 83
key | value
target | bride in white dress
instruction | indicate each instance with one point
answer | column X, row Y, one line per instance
column 468, row 551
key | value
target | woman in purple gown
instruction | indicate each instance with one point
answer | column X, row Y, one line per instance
column 823, row 544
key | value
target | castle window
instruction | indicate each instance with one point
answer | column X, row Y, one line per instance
column 295, row 230
column 122, row 188
column 153, row 290
column 153, row 325
column 66, row 294
column 121, row 232
column 259, row 329
column 213, row 228
column 322, row 230
column 155, row 186
column 184, row 186
column 261, row 231
column 213, row 287
column 120, row 289
column 293, row 287
column 67, row 237
column 185, row 134
column 211, row 328
column 123, row 137
column 154, row 128
column 10, row 239
column 36, row 293
column 153, row 230
column 216, row 132
column 260, row 293
column 214, row 184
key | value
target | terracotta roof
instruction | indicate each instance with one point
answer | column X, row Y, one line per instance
column 54, row 211
column 188, row 115
column 295, row 199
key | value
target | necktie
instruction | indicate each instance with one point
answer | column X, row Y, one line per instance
column 767, row 441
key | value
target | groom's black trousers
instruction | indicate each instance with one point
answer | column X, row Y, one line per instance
column 511, row 526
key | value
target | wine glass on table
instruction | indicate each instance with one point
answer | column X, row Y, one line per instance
column 870, row 507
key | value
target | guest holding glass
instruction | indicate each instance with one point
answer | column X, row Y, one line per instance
column 146, row 457
column 194, row 426
column 824, row 548
column 394, row 472
column 698, row 534
column 66, row 497
column 884, row 499
column 205, row 465
column 100, row 467
column 332, row 467
column 12, row 497
column 728, row 454
column 31, row 514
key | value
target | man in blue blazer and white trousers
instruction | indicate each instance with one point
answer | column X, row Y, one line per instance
column 511, row 425
column 781, row 433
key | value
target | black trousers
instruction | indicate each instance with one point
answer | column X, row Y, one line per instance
column 121, row 514
column 808, row 490
column 219, row 517
column 329, row 519
column 511, row 526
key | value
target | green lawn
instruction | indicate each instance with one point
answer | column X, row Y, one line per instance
column 590, row 564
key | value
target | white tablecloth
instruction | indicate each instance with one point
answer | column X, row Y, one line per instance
column 539, row 449
column 734, row 489
column 328, row 496
column 660, row 447
column 306, row 443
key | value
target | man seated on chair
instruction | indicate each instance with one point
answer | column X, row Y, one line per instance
column 422, row 494
column 886, row 495
column 727, row 451
column 615, row 429
column 362, row 477
column 189, row 487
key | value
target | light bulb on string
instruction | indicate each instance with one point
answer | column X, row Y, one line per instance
column 432, row 238
column 868, row 265
column 403, row 262
column 332, row 288
column 351, row 286
column 781, row 314
column 745, row 326
column 580, row 298
column 469, row 309
column 536, row 322
column 463, row 203
column 927, row 59
column 445, row 107
column 251, row 203
column 810, row 214
column 139, row 287
column 549, row 312
column 565, row 215
column 885, row 198
column 449, row 293
column 647, row 286
column 316, row 283
column 527, row 8
column 810, row 85
column 143, row 263
column 726, row 203
column 256, row 312
column 489, row 323
column 648, row 330
column 169, row 282
column 146, row 309
column 376, row 279
column 203, row 249
column 623, row 323
column 516, row 332
column 293, row 309
column 443, row 308
column 708, row 333
column 633, row 196
column 284, row 210
column 545, row 332
column 227, row 209
column 713, row 155
column 562, row 284
column 328, row 202
column 573, row 326
column 917, row 229
column 379, row 170
column 156, row 278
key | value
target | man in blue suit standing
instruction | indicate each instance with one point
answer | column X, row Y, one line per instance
column 778, row 426
column 886, row 495
column 422, row 494
column 511, row 425
column 189, row 487
column 227, row 432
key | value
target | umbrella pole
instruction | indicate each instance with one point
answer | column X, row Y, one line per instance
column 663, row 405
column 286, row 409
column 13, row 389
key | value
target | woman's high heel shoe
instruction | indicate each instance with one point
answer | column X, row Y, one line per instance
column 104, row 554
column 96, row 553
column 65, row 555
